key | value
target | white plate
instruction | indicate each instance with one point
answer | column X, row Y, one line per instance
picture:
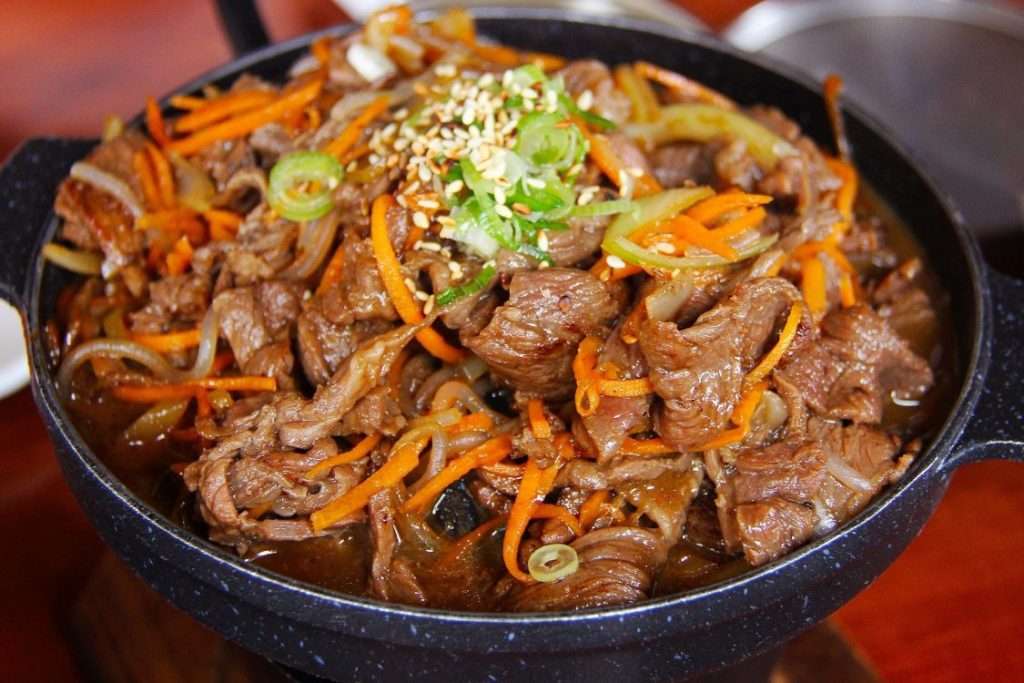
column 13, row 355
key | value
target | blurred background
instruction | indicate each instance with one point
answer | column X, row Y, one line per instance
column 950, row 609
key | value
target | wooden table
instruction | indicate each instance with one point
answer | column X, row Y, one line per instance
column 951, row 608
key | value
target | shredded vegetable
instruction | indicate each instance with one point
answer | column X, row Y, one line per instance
column 358, row 452
column 301, row 185
column 486, row 453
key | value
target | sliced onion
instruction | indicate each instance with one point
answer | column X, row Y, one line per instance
column 552, row 562
column 159, row 419
column 195, row 187
column 207, row 351
column 846, row 475
column 113, row 348
column 436, row 461
column 81, row 262
column 109, row 183
column 370, row 63
column 473, row 368
column 665, row 302
column 314, row 244
column 459, row 393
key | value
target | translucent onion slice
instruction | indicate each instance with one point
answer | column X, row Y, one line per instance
column 109, row 183
column 158, row 420
column 552, row 562
column 313, row 247
column 81, row 262
column 207, row 350
column 113, row 348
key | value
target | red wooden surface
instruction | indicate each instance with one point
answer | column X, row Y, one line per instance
column 950, row 609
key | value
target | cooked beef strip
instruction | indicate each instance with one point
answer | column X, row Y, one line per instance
column 592, row 75
column 376, row 413
column 770, row 527
column 173, row 300
column 698, row 371
column 617, row 566
column 531, row 340
column 678, row 163
column 665, row 499
column 256, row 322
column 582, row 241
column 850, row 372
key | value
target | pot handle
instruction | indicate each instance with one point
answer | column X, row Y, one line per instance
column 28, row 182
column 996, row 430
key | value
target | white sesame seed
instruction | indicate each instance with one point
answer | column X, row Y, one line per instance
column 586, row 100
column 401, row 114
column 424, row 173
column 420, row 220
column 454, row 188
column 446, row 221
column 351, row 166
column 421, row 295
column 410, row 284
column 543, row 264
column 664, row 247
column 503, row 211
column 530, row 94
column 401, row 144
column 635, row 171
column 535, row 183
column 429, row 246
column 542, row 240
column 447, row 233
column 499, row 195
column 445, row 70
column 413, row 187
column 429, row 204
column 615, row 262
column 428, row 307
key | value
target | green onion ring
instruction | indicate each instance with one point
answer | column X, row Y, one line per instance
column 291, row 172
column 552, row 562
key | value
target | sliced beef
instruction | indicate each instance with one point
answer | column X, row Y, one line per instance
column 592, row 75
column 531, row 340
column 617, row 566
column 850, row 372
column 252, row 318
column 665, row 499
column 771, row 527
column 581, row 242
column 679, row 163
column 391, row 577
column 172, row 299
column 699, row 371
column 376, row 413
column 322, row 345
column 903, row 300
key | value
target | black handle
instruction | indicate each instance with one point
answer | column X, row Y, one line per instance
column 243, row 25
column 996, row 430
column 28, row 183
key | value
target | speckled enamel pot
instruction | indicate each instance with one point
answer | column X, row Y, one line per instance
column 723, row 626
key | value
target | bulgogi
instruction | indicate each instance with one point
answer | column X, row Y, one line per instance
column 450, row 324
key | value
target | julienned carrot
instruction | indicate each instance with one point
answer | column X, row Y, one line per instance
column 711, row 208
column 172, row 341
column 155, row 123
column 847, row 193
column 847, row 293
column 740, row 417
column 203, row 406
column 591, row 508
column 246, row 123
column 147, row 179
column 187, row 102
column 738, row 226
column 631, row 325
column 357, row 452
column 539, row 424
column 221, row 108
column 152, row 393
column 655, row 446
column 608, row 161
column 221, row 362
column 180, row 257
column 813, row 285
column 588, row 394
column 626, row 387
column 693, row 232
column 499, row 54
column 391, row 275
column 223, row 224
column 548, row 511
column 469, row 540
column 531, row 491
column 474, row 422
column 487, row 453
column 546, row 61
column 350, row 136
column 771, row 359
column 179, row 220
column 401, row 462
column 682, row 85
column 332, row 273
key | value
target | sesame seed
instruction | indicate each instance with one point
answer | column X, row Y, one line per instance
column 421, row 295
column 535, row 183
column 542, row 240
column 447, row 233
column 636, row 172
column 413, row 187
column 420, row 220
column 615, row 262
column 446, row 221
column 429, row 246
column 586, row 100
column 543, row 264
column 428, row 307
column 530, row 94
column 519, row 207
column 410, row 284
column 424, row 174
column 429, row 204
column 499, row 195
column 503, row 211
column 664, row 247
column 445, row 70
column 401, row 114
column 454, row 187
column 351, row 166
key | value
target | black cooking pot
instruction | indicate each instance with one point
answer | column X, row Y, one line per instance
column 346, row 638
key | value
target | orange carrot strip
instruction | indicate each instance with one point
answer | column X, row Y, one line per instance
column 539, row 424
column 188, row 102
column 499, row 54
column 693, row 232
column 740, row 417
column 222, row 108
column 246, row 123
column 813, row 285
column 631, row 325
column 221, row 362
column 401, row 462
column 833, row 87
column 587, row 382
column 487, row 453
column 847, row 194
column 155, row 393
column 391, row 274
column 357, row 452
column 350, row 135
column 548, row 511
column 474, row 422
column 847, row 294
column 155, row 123
column 771, row 359
column 608, row 161
column 357, row 152
column 711, row 208
column 531, row 491
column 144, row 170
column 738, row 226
column 203, row 406
column 655, row 446
column 321, row 50
column 241, row 383
column 546, row 61
column 333, row 271
column 682, row 85
column 591, row 508
column 626, row 387
column 415, row 235
column 172, row 341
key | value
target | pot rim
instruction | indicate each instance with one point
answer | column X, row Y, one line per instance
column 645, row 618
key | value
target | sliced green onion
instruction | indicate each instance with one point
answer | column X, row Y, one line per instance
column 525, row 76
column 591, row 119
column 81, row 262
column 288, row 196
column 536, row 253
column 603, row 208
column 656, row 208
column 453, row 294
column 552, row 562
column 544, row 142
column 705, row 122
column 631, row 252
